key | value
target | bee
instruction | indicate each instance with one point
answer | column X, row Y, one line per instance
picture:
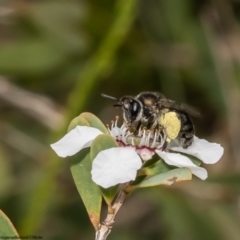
column 152, row 110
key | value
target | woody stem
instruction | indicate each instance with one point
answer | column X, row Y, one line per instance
column 106, row 226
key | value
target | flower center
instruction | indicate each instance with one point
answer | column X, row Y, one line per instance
column 150, row 139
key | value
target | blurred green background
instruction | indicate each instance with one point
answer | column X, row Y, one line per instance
column 57, row 57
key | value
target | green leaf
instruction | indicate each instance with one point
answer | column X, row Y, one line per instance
column 94, row 121
column 6, row 227
column 90, row 193
column 78, row 121
column 134, row 183
column 194, row 159
column 158, row 167
column 87, row 119
column 102, row 142
column 167, row 178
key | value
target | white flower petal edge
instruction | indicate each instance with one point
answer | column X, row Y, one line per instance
column 179, row 160
column 78, row 138
column 208, row 152
column 115, row 165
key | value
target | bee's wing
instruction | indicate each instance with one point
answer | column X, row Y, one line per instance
column 167, row 103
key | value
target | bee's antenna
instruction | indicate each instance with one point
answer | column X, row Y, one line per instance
column 110, row 97
column 119, row 104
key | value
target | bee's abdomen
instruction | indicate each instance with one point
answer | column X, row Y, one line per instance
column 186, row 133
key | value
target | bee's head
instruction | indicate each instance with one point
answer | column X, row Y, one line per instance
column 132, row 108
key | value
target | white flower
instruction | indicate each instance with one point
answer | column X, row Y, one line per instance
column 208, row 152
column 118, row 165
column 110, row 167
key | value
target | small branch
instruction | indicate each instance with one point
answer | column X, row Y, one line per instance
column 22, row 142
column 39, row 107
column 106, row 226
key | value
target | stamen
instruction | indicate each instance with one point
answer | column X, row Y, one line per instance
column 151, row 139
column 148, row 138
column 116, row 121
column 154, row 140
column 109, row 130
column 139, row 131
column 123, row 127
column 142, row 142
column 133, row 142
column 111, row 133
column 125, row 136
column 112, row 124
column 163, row 137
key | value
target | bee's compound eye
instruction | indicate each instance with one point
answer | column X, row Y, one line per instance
column 135, row 107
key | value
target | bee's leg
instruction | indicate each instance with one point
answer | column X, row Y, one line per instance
column 187, row 132
column 134, row 128
column 164, row 147
column 186, row 140
column 151, row 122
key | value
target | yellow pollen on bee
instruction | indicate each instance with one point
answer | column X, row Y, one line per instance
column 171, row 124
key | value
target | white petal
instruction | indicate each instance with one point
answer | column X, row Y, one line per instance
column 178, row 160
column 208, row 152
column 115, row 165
column 75, row 140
